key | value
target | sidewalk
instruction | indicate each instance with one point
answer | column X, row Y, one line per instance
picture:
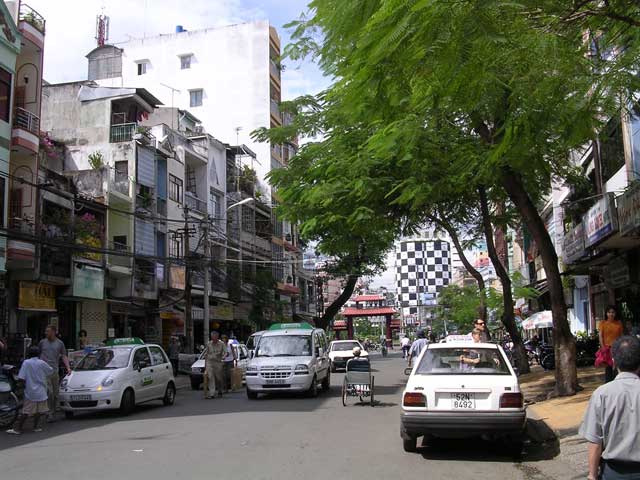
column 563, row 415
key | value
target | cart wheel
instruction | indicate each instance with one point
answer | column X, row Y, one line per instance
column 344, row 393
column 371, row 389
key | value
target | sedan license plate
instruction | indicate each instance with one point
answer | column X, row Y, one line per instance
column 80, row 398
column 276, row 381
column 463, row 401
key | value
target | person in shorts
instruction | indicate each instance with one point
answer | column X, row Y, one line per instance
column 35, row 374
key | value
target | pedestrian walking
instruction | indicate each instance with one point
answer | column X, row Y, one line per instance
column 611, row 422
column 213, row 366
column 83, row 340
column 228, row 363
column 610, row 329
column 35, row 373
column 174, row 354
column 481, row 325
column 52, row 350
column 417, row 346
column 405, row 343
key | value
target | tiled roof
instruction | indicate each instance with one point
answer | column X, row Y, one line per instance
column 368, row 312
column 368, row 298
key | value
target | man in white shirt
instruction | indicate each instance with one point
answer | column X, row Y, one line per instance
column 417, row 346
column 405, row 343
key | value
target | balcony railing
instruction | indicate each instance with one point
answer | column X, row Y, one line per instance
column 55, row 262
column 275, row 110
column 194, row 203
column 121, row 182
column 122, row 132
column 273, row 68
column 123, row 256
column 32, row 17
column 26, row 120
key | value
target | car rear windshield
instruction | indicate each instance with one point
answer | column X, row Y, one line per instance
column 463, row 361
column 284, row 346
column 105, row 359
column 344, row 346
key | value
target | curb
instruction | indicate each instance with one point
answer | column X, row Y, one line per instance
column 540, row 432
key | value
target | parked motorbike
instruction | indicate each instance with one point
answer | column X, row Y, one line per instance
column 547, row 357
column 9, row 396
column 532, row 353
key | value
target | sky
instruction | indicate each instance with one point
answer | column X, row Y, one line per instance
column 70, row 30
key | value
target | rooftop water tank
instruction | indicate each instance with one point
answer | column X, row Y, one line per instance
column 179, row 29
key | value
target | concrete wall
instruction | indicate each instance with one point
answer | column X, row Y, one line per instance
column 231, row 65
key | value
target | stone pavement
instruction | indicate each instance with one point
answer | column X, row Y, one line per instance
column 558, row 419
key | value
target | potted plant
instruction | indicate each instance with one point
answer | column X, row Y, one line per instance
column 142, row 134
column 96, row 160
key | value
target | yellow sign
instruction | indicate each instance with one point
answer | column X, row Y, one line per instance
column 222, row 312
column 37, row 296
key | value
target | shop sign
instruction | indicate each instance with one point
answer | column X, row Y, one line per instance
column 617, row 273
column 573, row 244
column 222, row 312
column 629, row 211
column 601, row 221
column 177, row 277
column 37, row 296
column 88, row 282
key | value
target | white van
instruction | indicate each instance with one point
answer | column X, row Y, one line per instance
column 289, row 357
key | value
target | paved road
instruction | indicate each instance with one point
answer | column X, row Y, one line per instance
column 271, row 438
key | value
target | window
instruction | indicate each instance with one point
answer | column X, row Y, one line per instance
column 185, row 61
column 175, row 188
column 141, row 355
column 477, row 361
column 215, row 199
column 195, row 98
column 176, row 250
column 142, row 68
column 2, row 202
column 5, row 95
column 158, row 356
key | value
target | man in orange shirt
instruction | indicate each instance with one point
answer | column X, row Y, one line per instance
column 610, row 329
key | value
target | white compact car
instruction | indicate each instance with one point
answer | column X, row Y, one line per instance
column 197, row 369
column 289, row 357
column 341, row 351
column 118, row 376
column 459, row 389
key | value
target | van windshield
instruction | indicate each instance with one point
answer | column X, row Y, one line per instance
column 284, row 346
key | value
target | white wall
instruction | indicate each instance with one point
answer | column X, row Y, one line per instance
column 230, row 63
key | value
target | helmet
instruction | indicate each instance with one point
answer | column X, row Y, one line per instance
column 420, row 334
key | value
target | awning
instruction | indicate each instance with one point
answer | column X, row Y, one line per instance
column 542, row 319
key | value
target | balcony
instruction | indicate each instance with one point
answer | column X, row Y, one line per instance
column 275, row 112
column 122, row 132
column 55, row 262
column 32, row 25
column 120, row 262
column 194, row 203
column 120, row 183
column 274, row 70
column 26, row 131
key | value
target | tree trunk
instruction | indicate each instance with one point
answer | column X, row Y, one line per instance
column 467, row 265
column 564, row 344
column 334, row 308
column 508, row 316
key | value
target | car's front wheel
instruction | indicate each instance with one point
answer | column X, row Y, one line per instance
column 195, row 383
column 313, row 389
column 251, row 395
column 333, row 368
column 128, row 402
column 326, row 383
column 169, row 394
column 410, row 445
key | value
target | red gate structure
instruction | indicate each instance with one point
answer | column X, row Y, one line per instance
column 369, row 306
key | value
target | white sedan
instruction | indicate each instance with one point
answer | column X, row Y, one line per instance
column 459, row 389
column 341, row 351
column 197, row 369
column 119, row 376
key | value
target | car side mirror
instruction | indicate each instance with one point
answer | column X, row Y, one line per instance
column 142, row 365
column 407, row 371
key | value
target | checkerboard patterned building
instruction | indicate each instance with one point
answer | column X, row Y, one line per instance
column 422, row 267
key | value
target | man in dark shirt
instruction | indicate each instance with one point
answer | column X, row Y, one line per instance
column 52, row 350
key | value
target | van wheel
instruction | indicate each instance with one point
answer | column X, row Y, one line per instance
column 169, row 394
column 128, row 402
column 68, row 414
column 326, row 383
column 313, row 389
column 410, row 445
column 195, row 383
column 333, row 368
column 251, row 395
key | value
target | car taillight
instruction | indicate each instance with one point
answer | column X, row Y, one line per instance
column 414, row 399
column 511, row 400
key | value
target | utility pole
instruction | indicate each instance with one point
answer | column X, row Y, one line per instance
column 207, row 264
column 187, row 283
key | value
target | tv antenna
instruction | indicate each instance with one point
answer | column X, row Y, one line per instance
column 102, row 28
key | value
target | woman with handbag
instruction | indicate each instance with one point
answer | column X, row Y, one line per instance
column 610, row 329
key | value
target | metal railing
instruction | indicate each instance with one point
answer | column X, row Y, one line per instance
column 26, row 120
column 194, row 203
column 32, row 17
column 123, row 260
column 122, row 132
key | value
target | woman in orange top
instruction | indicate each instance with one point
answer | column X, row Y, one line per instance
column 610, row 329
